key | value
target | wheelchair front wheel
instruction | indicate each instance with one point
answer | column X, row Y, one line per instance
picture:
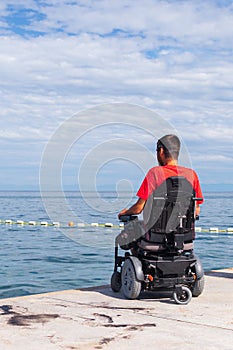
column 182, row 296
column 131, row 287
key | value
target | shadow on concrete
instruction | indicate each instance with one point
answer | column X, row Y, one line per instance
column 152, row 296
column 219, row 274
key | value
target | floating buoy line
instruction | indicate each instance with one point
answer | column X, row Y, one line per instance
column 95, row 224
column 58, row 224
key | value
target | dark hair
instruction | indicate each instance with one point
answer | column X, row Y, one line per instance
column 170, row 145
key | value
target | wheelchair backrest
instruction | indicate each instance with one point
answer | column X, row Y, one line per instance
column 170, row 211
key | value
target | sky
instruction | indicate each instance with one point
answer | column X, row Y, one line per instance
column 64, row 58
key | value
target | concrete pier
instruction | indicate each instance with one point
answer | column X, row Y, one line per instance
column 97, row 318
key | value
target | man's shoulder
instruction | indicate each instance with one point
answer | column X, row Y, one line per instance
column 186, row 169
column 166, row 169
column 155, row 169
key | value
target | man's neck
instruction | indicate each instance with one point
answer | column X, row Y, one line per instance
column 172, row 162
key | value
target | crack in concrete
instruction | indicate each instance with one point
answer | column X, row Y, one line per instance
column 103, row 306
column 189, row 322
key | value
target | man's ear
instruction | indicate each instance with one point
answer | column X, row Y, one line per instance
column 161, row 150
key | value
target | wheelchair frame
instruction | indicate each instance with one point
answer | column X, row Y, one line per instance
column 172, row 269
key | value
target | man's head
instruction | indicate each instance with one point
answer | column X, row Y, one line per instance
column 168, row 148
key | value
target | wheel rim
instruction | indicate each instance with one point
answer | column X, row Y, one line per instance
column 131, row 287
column 183, row 296
column 128, row 278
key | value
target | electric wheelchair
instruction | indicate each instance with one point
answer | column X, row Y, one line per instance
column 159, row 249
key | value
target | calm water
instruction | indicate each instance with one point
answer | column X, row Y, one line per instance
column 36, row 259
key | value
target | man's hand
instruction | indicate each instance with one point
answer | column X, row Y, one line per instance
column 122, row 212
column 135, row 209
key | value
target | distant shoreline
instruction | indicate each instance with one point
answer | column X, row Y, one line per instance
column 105, row 191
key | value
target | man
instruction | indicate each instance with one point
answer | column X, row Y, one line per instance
column 168, row 148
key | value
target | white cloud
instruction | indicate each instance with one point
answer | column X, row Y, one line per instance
column 212, row 158
column 173, row 57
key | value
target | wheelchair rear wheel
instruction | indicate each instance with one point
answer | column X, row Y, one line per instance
column 131, row 287
column 116, row 281
column 198, row 287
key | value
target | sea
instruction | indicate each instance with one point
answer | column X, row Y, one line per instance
column 44, row 258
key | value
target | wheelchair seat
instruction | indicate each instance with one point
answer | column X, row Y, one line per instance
column 169, row 217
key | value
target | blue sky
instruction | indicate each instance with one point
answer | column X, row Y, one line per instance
column 60, row 57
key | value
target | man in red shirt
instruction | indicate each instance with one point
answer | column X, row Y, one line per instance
column 168, row 148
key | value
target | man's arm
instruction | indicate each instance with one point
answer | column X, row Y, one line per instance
column 198, row 209
column 135, row 209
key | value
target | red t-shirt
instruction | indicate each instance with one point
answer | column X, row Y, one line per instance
column 157, row 175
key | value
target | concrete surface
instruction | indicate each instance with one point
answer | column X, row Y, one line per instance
column 97, row 318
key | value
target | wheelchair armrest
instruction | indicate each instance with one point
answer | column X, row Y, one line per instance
column 126, row 218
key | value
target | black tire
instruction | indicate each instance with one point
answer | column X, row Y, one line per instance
column 198, row 269
column 198, row 287
column 131, row 287
column 116, row 281
column 184, row 297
